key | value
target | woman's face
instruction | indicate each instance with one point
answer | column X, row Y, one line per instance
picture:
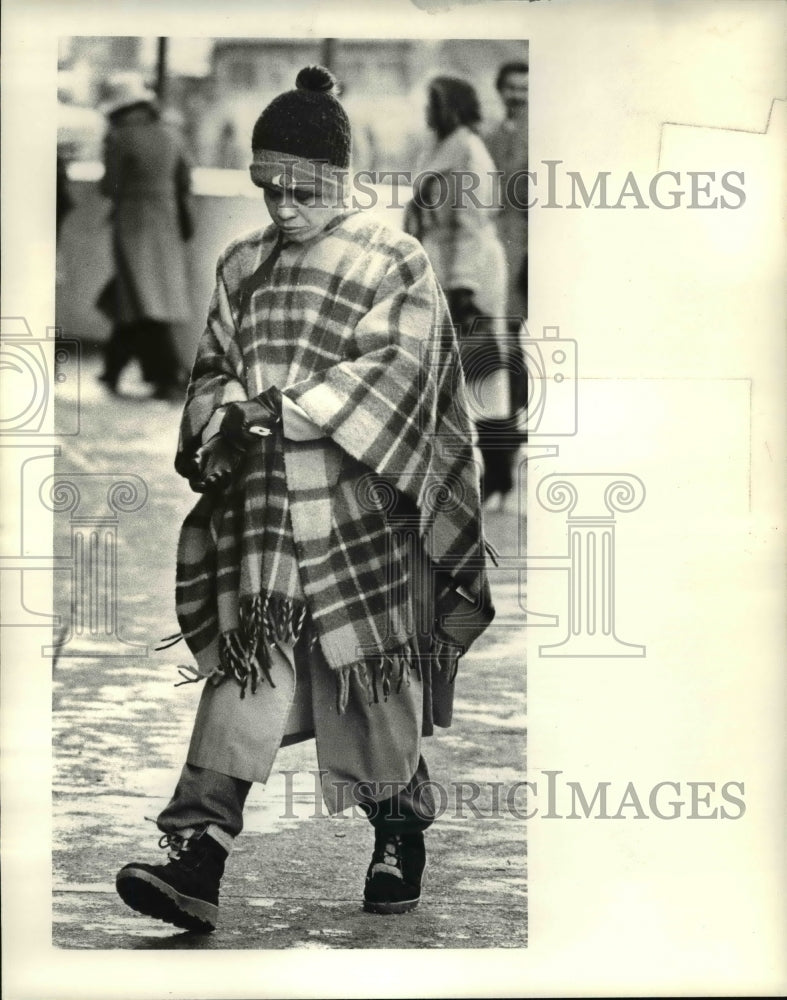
column 299, row 213
column 301, row 203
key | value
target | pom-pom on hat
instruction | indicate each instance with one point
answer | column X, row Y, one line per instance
column 308, row 122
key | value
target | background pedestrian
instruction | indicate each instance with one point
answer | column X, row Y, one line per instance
column 508, row 144
column 453, row 213
column 147, row 178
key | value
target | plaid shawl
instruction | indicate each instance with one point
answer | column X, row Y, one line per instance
column 352, row 327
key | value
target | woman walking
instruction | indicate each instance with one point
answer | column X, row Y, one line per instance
column 339, row 525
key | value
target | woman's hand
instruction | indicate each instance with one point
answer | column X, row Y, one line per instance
column 245, row 422
column 214, row 466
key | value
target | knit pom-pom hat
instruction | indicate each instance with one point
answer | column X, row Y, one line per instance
column 308, row 122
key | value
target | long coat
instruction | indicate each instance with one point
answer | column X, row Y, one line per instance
column 145, row 173
column 459, row 234
column 460, row 237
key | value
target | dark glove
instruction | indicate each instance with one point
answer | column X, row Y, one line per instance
column 459, row 617
column 215, row 466
column 463, row 308
column 245, row 422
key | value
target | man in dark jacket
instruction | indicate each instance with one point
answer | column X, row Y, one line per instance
column 507, row 143
column 147, row 177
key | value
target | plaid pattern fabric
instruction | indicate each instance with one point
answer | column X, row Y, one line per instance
column 353, row 328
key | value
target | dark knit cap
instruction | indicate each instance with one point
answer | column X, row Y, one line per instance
column 308, row 121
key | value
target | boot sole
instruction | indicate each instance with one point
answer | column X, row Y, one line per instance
column 151, row 896
column 401, row 906
column 397, row 906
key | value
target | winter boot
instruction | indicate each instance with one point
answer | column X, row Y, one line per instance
column 393, row 881
column 184, row 891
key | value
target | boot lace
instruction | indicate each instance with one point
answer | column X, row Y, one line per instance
column 175, row 843
column 389, row 855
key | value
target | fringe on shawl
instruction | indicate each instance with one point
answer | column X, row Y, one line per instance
column 385, row 674
column 379, row 675
column 244, row 654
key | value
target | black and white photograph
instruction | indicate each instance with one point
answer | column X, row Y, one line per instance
column 392, row 529
column 323, row 465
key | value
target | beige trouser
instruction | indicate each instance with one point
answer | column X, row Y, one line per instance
column 240, row 737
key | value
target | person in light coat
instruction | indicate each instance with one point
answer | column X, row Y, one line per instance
column 454, row 213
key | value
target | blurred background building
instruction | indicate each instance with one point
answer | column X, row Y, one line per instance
column 215, row 88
